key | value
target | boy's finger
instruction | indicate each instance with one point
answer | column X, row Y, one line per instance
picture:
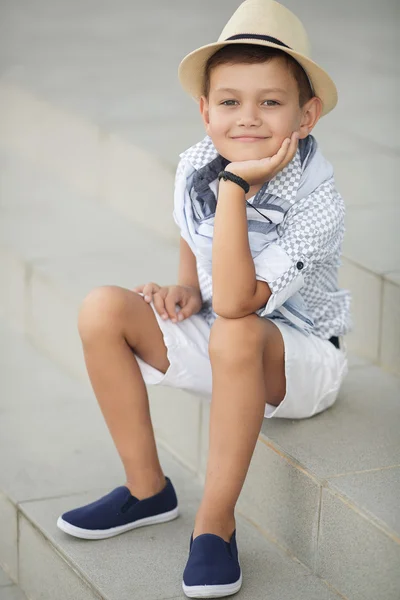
column 184, row 313
column 289, row 147
column 285, row 153
column 278, row 159
column 139, row 289
column 144, row 290
column 170, row 305
column 187, row 310
column 158, row 302
column 148, row 292
column 149, row 289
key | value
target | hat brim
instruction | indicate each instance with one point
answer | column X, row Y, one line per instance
column 191, row 71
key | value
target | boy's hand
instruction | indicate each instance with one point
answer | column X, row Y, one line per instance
column 165, row 298
column 256, row 172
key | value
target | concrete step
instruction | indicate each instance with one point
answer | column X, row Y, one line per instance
column 314, row 486
column 91, row 160
column 8, row 590
column 56, row 241
column 55, row 454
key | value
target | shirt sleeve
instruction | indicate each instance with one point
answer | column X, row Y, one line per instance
column 179, row 191
column 180, row 209
column 309, row 234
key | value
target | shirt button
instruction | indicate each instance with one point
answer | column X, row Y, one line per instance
column 300, row 265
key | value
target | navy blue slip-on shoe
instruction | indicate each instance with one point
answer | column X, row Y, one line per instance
column 118, row 512
column 212, row 569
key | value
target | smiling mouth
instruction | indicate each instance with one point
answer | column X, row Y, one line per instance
column 249, row 138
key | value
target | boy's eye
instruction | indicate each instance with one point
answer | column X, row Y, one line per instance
column 232, row 102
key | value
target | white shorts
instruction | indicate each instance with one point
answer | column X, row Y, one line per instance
column 314, row 368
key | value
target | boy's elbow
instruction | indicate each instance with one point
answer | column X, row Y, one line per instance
column 229, row 310
column 233, row 310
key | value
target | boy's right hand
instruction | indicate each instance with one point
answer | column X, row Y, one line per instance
column 166, row 297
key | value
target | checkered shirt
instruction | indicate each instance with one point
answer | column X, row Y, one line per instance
column 298, row 254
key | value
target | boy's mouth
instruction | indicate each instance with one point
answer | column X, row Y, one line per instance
column 248, row 138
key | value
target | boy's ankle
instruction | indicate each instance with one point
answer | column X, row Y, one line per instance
column 146, row 489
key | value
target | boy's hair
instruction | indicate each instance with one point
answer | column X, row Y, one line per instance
column 252, row 54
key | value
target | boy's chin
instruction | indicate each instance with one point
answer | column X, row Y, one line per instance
column 239, row 152
column 247, row 155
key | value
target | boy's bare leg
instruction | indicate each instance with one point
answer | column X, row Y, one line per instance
column 112, row 321
column 247, row 358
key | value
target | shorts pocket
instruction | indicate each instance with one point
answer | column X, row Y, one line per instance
column 339, row 372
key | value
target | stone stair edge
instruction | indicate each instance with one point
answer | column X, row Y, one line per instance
column 362, row 511
column 86, row 579
column 385, row 276
column 326, row 483
column 58, row 550
column 321, row 482
column 21, row 512
column 19, row 507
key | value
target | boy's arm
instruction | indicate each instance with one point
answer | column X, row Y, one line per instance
column 187, row 266
column 236, row 291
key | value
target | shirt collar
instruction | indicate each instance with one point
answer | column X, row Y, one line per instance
column 284, row 185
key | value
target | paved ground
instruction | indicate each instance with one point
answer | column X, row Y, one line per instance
column 9, row 591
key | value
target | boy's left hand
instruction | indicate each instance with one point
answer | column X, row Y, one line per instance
column 256, row 172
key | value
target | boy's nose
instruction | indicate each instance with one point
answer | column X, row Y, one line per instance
column 249, row 119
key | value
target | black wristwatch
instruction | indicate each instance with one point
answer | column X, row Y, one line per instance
column 235, row 178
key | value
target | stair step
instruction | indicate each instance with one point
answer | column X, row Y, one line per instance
column 8, row 590
column 55, row 454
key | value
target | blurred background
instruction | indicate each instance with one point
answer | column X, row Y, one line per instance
column 92, row 122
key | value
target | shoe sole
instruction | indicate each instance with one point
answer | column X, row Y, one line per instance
column 100, row 534
column 212, row 591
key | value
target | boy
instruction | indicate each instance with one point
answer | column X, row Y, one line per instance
column 256, row 316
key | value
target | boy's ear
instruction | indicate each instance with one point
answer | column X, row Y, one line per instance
column 204, row 111
column 311, row 113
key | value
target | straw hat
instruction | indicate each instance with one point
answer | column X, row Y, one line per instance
column 265, row 23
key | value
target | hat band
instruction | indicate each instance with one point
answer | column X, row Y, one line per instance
column 257, row 36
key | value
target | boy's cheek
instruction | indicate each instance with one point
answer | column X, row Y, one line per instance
column 276, row 142
column 217, row 130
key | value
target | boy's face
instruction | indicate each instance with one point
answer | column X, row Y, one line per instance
column 251, row 119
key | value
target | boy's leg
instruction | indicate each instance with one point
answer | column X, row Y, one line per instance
column 247, row 359
column 112, row 322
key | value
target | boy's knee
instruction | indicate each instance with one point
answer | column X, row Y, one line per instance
column 101, row 310
column 236, row 339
